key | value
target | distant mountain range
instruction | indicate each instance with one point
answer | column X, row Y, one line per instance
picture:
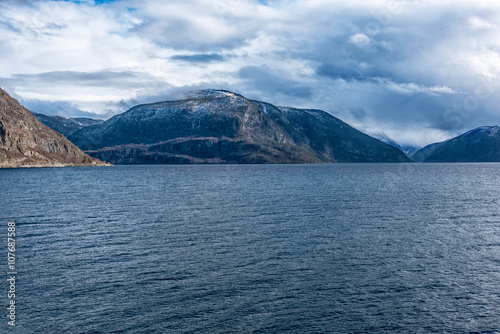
column 67, row 126
column 26, row 142
column 478, row 145
column 215, row 126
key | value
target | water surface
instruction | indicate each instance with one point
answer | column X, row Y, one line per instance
column 338, row 248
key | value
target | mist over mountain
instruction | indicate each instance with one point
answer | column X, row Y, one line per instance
column 478, row 145
column 409, row 150
column 215, row 126
column 26, row 142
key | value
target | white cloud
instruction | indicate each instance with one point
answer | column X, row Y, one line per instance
column 412, row 88
column 480, row 23
column 360, row 40
column 421, row 59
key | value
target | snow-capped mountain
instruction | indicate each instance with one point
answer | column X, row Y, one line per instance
column 478, row 145
column 216, row 126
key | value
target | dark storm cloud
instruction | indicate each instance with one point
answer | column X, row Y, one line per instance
column 335, row 71
column 199, row 58
column 264, row 79
column 352, row 72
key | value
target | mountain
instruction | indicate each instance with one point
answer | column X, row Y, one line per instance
column 67, row 126
column 26, row 142
column 479, row 145
column 425, row 152
column 407, row 149
column 216, row 126
column 386, row 139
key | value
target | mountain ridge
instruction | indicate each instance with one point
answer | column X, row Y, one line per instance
column 481, row 144
column 218, row 126
column 66, row 125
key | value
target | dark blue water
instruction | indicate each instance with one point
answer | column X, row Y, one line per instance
column 344, row 248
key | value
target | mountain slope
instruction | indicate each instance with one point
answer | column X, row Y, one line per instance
column 478, row 145
column 424, row 153
column 330, row 138
column 409, row 150
column 26, row 142
column 67, row 126
column 214, row 126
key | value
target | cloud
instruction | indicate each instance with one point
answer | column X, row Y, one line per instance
column 58, row 108
column 196, row 25
column 376, row 64
column 199, row 58
column 263, row 78
column 412, row 88
column 360, row 40
column 353, row 71
column 480, row 23
column 119, row 79
column 339, row 71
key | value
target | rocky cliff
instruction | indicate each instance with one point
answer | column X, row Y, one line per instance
column 26, row 142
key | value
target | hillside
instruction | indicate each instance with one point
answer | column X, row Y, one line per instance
column 479, row 145
column 66, row 126
column 26, row 142
column 215, row 126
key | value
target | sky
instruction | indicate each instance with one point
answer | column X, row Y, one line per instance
column 419, row 71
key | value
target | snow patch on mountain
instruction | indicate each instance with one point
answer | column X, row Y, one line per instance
column 492, row 130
